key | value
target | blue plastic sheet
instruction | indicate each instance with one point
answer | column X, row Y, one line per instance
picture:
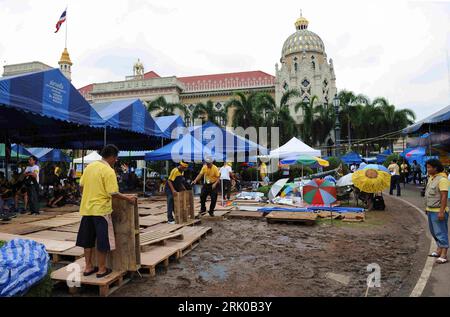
column 23, row 263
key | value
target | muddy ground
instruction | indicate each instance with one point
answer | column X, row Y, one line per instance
column 253, row 258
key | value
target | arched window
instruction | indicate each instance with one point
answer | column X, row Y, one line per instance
column 296, row 67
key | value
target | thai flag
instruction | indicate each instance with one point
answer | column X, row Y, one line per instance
column 61, row 20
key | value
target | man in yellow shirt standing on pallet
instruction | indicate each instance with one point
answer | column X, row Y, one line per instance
column 174, row 184
column 99, row 185
column 211, row 175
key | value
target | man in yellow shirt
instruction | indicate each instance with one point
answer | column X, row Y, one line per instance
column 436, row 195
column 211, row 176
column 174, row 184
column 99, row 185
column 395, row 177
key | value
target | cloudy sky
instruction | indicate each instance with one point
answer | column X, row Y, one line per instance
column 397, row 49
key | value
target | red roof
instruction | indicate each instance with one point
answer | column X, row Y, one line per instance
column 228, row 80
column 86, row 89
column 150, row 75
column 215, row 81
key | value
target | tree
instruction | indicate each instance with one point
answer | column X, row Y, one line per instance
column 323, row 123
column 165, row 108
column 208, row 109
column 275, row 116
column 308, row 118
column 245, row 110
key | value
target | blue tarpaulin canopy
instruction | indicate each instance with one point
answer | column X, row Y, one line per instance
column 43, row 108
column 351, row 158
column 50, row 155
column 383, row 156
column 224, row 141
column 442, row 116
column 167, row 124
column 129, row 115
column 186, row 148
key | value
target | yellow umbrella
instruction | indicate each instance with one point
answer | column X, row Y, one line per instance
column 372, row 178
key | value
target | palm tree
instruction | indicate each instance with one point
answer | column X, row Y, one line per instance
column 323, row 123
column 279, row 116
column 165, row 108
column 308, row 118
column 245, row 110
column 207, row 109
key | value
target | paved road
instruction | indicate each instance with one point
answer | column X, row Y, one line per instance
column 439, row 281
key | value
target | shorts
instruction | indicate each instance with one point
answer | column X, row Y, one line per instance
column 96, row 231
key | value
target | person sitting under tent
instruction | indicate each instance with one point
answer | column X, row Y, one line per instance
column 211, row 176
column 175, row 183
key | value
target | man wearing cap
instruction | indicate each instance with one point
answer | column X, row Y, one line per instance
column 175, row 183
column 211, row 176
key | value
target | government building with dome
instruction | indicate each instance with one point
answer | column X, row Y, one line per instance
column 303, row 66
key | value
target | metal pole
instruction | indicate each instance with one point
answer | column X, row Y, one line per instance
column 221, row 185
column 145, row 175
column 104, row 136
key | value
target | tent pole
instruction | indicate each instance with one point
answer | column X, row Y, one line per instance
column 7, row 155
column 104, row 136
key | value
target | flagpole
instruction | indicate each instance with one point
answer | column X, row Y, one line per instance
column 66, row 30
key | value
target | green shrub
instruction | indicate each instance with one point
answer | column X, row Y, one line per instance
column 2, row 243
column 334, row 163
column 249, row 174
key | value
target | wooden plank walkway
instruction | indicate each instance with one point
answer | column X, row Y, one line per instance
column 50, row 245
column 307, row 218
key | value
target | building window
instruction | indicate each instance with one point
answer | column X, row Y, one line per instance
column 296, row 67
column 218, row 106
column 305, row 83
column 285, row 86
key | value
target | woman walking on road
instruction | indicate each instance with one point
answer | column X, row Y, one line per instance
column 436, row 208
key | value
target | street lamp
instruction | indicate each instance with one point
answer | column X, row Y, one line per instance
column 337, row 126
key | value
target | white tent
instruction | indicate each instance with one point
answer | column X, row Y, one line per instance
column 91, row 157
column 293, row 148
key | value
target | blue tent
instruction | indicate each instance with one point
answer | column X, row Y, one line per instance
column 50, row 155
column 167, row 124
column 134, row 155
column 440, row 117
column 224, row 141
column 20, row 149
column 129, row 115
column 383, row 156
column 43, row 108
column 186, row 148
column 351, row 158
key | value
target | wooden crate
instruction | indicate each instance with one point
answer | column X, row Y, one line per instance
column 184, row 206
column 158, row 255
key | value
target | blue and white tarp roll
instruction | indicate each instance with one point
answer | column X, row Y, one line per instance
column 23, row 263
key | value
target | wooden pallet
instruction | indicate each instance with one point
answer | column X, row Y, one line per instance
column 354, row 217
column 28, row 219
column 54, row 235
column 70, row 255
column 218, row 215
column 68, row 228
column 151, row 220
column 240, row 214
column 21, row 228
column 64, row 209
column 154, row 237
column 163, row 227
column 329, row 214
column 155, row 255
column 106, row 285
column 307, row 218
column 192, row 237
column 183, row 206
column 50, row 245
column 57, row 221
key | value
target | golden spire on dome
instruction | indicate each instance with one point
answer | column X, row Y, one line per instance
column 65, row 58
column 301, row 23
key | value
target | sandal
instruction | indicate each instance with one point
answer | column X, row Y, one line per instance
column 108, row 271
column 441, row 260
column 434, row 255
column 94, row 270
